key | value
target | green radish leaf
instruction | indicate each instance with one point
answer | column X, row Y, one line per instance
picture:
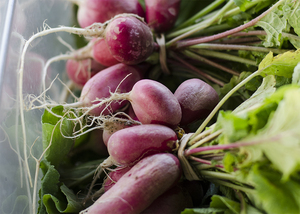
column 242, row 4
column 54, row 129
column 281, row 65
column 204, row 211
column 271, row 193
column 55, row 197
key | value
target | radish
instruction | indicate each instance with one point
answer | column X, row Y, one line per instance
column 197, row 99
column 140, row 186
column 119, row 77
column 161, row 15
column 127, row 146
column 81, row 71
column 92, row 11
column 114, row 176
column 101, row 54
column 154, row 103
column 114, row 125
column 129, row 39
column 174, row 200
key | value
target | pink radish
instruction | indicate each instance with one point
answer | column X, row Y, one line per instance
column 106, row 81
column 101, row 54
column 91, row 11
column 161, row 15
column 127, row 146
column 129, row 39
column 154, row 103
column 114, row 125
column 197, row 99
column 114, row 176
column 140, row 186
column 81, row 71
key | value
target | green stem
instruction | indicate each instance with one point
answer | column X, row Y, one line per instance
column 233, row 186
column 237, row 47
column 209, row 62
column 203, row 24
column 189, row 42
column 218, row 175
column 201, row 73
column 225, row 98
column 200, row 14
column 225, row 56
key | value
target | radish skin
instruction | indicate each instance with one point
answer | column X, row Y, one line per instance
column 106, row 81
column 92, row 11
column 114, row 176
column 140, row 186
column 161, row 15
column 154, row 103
column 101, row 53
column 81, row 71
column 197, row 99
column 127, row 146
column 129, row 39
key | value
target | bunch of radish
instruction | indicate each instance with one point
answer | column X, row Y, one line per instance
column 111, row 72
column 141, row 119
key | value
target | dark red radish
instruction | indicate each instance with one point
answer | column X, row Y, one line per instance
column 129, row 39
column 101, row 53
column 140, row 186
column 154, row 103
column 120, row 76
column 197, row 99
column 80, row 71
column 174, row 200
column 161, row 15
column 127, row 146
column 91, row 11
column 114, row 176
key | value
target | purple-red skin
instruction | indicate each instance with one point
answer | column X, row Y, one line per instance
column 197, row 99
column 161, row 15
column 91, row 11
column 78, row 70
column 114, row 176
column 140, row 186
column 154, row 103
column 106, row 81
column 174, row 200
column 129, row 40
column 127, row 146
column 102, row 54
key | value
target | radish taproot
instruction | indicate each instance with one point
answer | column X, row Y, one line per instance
column 196, row 98
column 127, row 146
column 140, row 186
column 81, row 71
column 119, row 77
column 161, row 15
column 129, row 39
column 92, row 11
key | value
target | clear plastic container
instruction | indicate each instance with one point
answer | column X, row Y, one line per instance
column 20, row 146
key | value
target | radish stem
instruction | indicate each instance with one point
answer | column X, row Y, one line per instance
column 189, row 42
